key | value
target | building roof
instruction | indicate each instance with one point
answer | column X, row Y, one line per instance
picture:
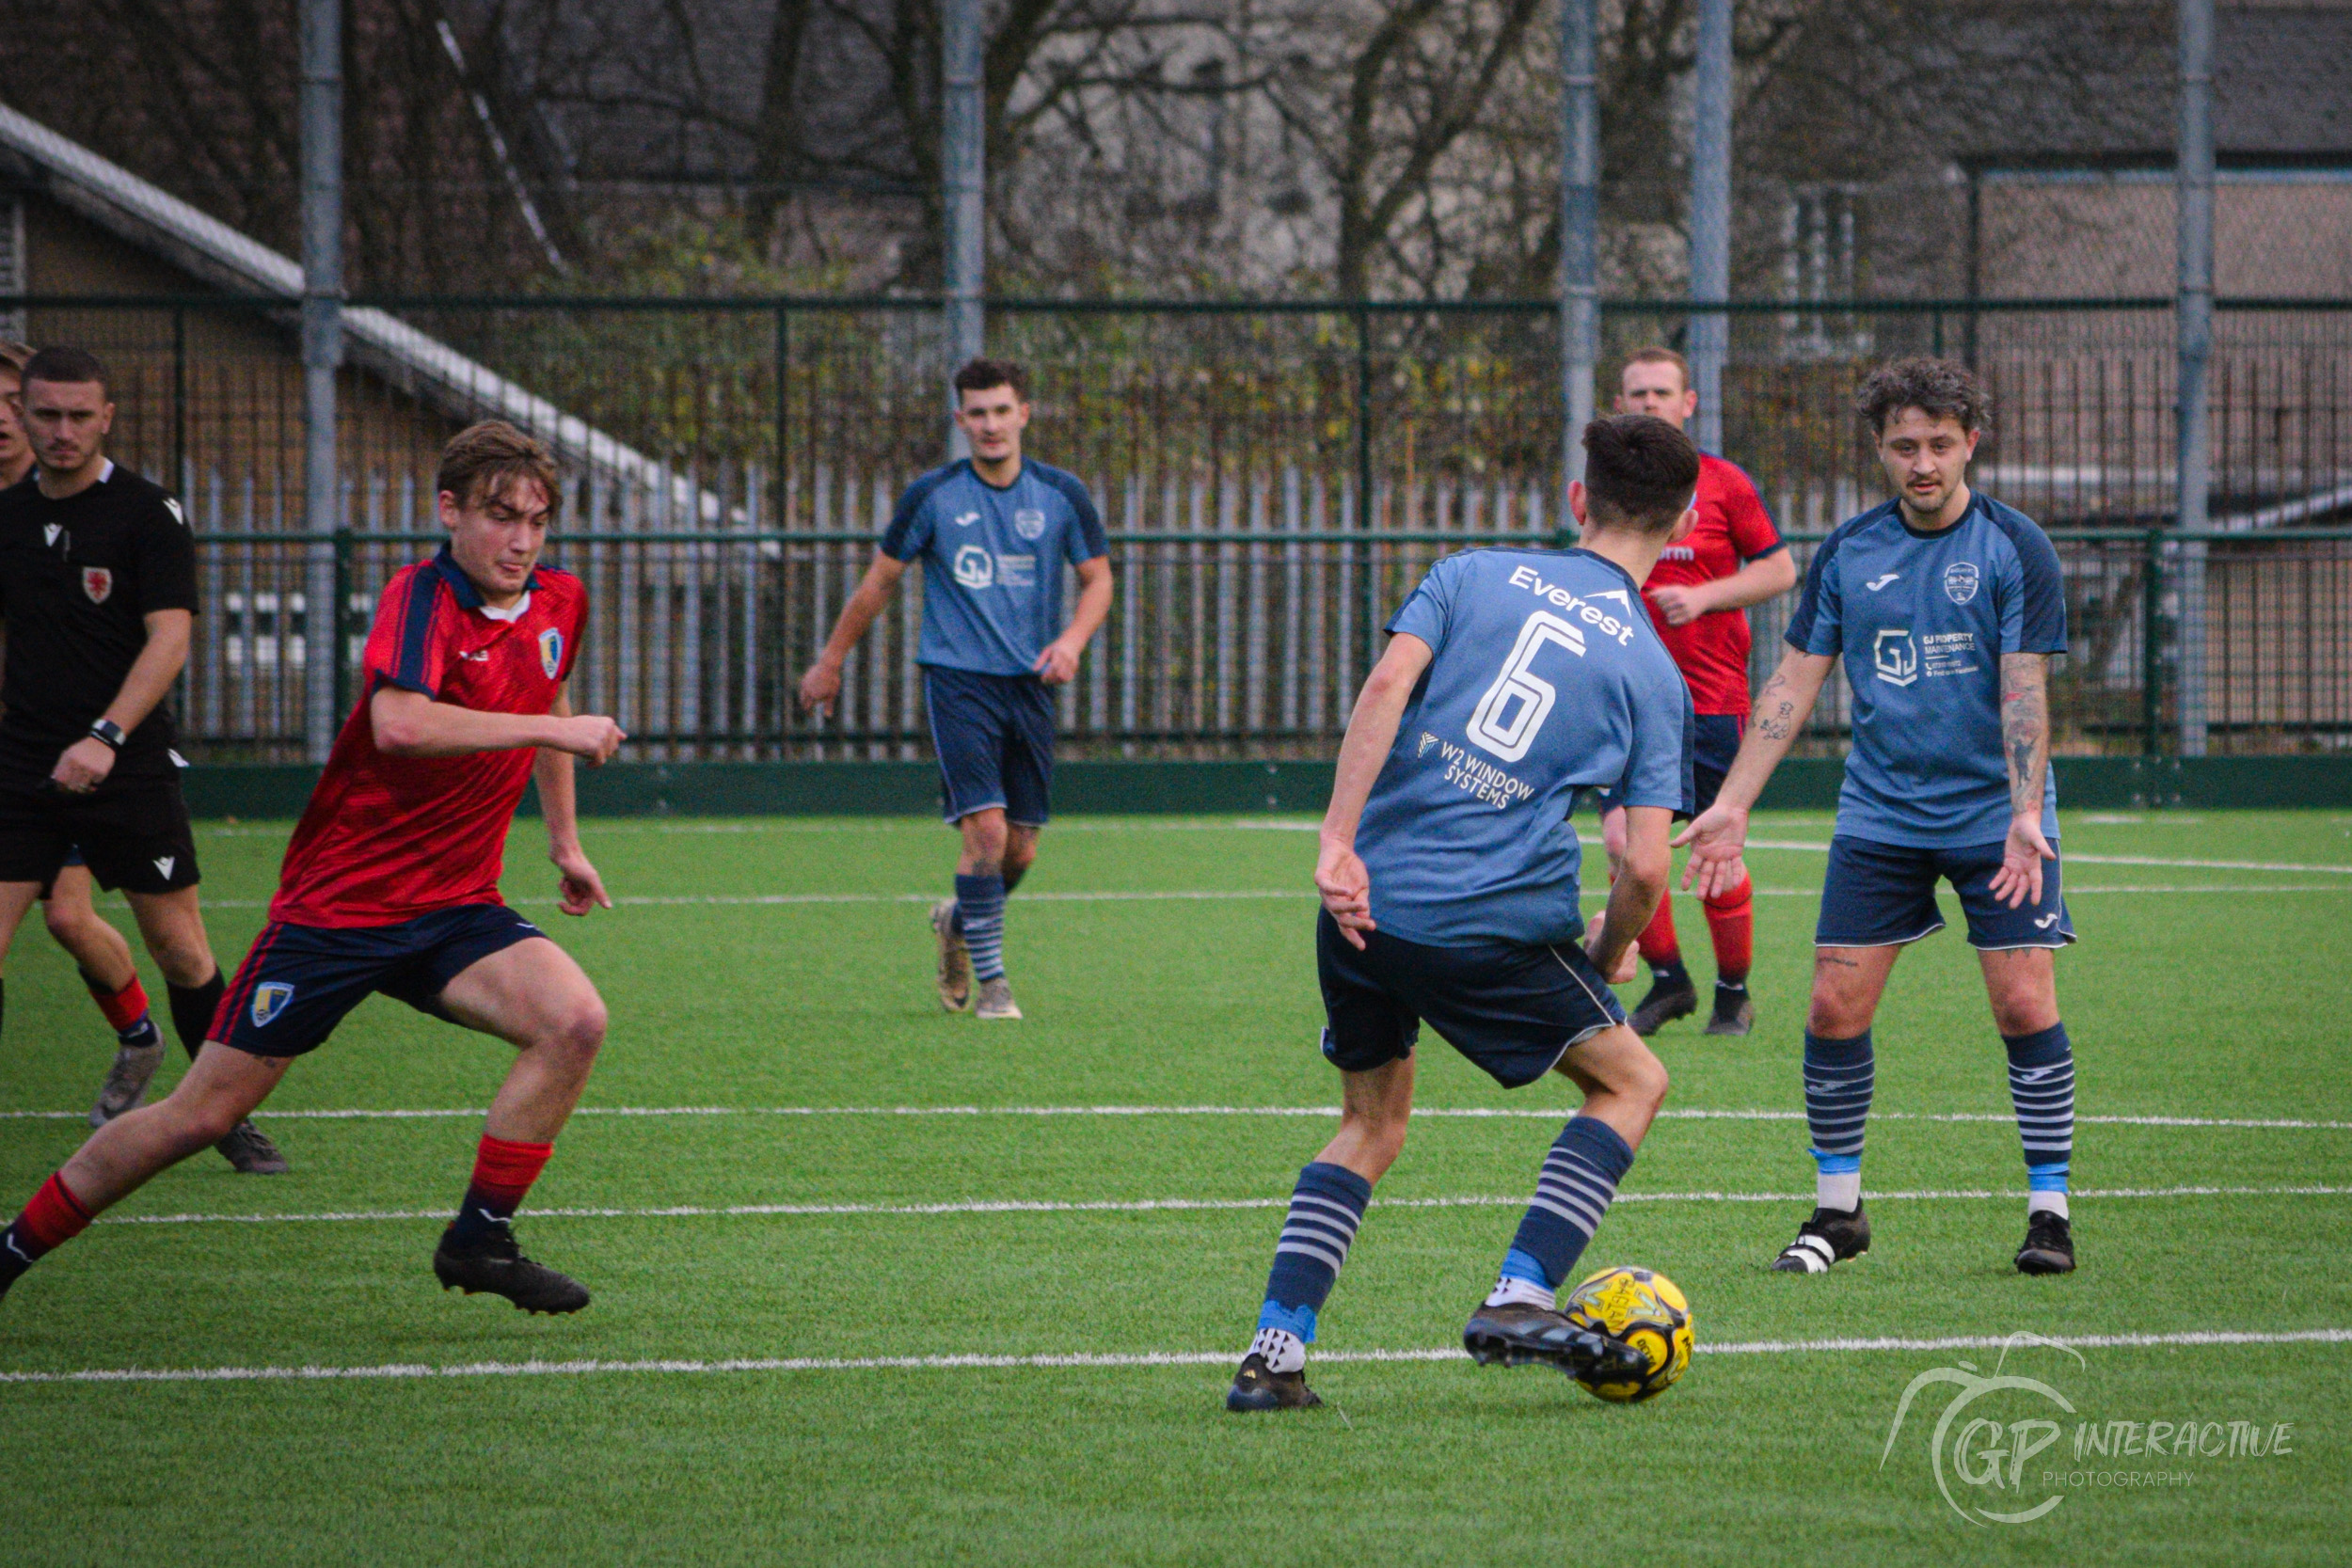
column 140, row 213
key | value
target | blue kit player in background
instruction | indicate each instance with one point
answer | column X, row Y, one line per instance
column 992, row 531
column 1517, row 681
column 1947, row 608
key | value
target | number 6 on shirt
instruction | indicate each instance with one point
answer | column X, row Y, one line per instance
column 1510, row 741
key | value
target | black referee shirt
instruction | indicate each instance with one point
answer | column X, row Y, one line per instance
column 78, row 579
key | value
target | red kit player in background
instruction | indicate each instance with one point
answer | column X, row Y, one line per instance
column 1699, row 596
column 391, row 881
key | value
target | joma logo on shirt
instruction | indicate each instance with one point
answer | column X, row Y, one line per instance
column 1591, row 614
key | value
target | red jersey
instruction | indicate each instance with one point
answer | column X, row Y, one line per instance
column 1733, row 528
column 386, row 839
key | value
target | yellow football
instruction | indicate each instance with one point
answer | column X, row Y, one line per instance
column 1646, row 1310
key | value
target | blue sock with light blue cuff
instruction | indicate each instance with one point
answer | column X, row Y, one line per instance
column 980, row 915
column 1573, row 1191
column 1840, row 1076
column 2042, row 1088
column 1326, row 1206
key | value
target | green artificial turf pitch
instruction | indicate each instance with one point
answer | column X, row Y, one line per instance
column 761, row 965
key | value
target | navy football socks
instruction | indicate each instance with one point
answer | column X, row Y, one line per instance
column 1574, row 1190
column 1838, row 1077
column 1326, row 1206
column 2042, row 1088
column 980, row 915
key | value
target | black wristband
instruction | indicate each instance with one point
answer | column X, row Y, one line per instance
column 108, row 730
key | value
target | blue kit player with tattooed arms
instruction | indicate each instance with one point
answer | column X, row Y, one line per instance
column 1517, row 681
column 1947, row 608
column 993, row 532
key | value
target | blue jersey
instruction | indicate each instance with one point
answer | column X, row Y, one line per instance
column 1922, row 621
column 1547, row 680
column 993, row 562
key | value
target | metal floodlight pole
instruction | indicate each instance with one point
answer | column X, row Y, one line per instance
column 321, row 109
column 2195, row 328
column 1711, row 219
column 963, row 182
column 1579, row 222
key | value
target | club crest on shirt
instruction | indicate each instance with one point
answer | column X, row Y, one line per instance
column 269, row 999
column 1029, row 524
column 1961, row 581
column 551, row 651
column 97, row 582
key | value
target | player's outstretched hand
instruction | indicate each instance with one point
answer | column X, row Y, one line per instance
column 591, row 736
column 582, row 889
column 1058, row 665
column 819, row 687
column 1716, row 838
column 1346, row 889
column 84, row 766
column 2019, row 880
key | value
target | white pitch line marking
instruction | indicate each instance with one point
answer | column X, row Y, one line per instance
column 1155, row 895
column 1469, row 1113
column 1172, row 1205
column 2071, row 858
column 416, row 1370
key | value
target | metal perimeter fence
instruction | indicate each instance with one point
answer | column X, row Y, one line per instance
column 1274, row 479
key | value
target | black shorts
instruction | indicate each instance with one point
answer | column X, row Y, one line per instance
column 1513, row 1010
column 297, row 982
column 995, row 736
column 134, row 837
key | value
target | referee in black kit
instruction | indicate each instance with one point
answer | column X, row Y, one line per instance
column 97, row 598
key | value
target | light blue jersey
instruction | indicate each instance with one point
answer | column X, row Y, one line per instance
column 1549, row 680
column 993, row 562
column 1922, row 621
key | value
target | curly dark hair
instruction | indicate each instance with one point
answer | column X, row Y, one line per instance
column 1941, row 388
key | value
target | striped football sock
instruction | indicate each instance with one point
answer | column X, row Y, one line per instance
column 1573, row 1191
column 2042, row 1088
column 1838, row 1077
column 1326, row 1206
column 980, row 911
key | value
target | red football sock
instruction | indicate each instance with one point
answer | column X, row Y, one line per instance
column 1658, row 943
column 503, row 1171
column 54, row 1217
column 123, row 1008
column 1731, row 921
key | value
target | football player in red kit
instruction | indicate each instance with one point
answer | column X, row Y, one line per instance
column 1699, row 597
column 391, row 881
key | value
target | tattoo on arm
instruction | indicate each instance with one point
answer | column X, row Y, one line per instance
column 1774, row 713
column 2026, row 727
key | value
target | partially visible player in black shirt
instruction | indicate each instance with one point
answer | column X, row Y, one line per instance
column 98, row 949
column 97, row 593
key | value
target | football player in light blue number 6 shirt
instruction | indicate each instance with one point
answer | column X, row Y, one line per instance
column 1947, row 608
column 993, row 532
column 1519, row 681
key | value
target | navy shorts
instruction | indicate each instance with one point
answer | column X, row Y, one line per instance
column 1513, row 1010
column 299, row 981
column 1714, row 742
column 1884, row 895
column 995, row 736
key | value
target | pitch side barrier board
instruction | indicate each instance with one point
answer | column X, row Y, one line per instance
column 1196, row 788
